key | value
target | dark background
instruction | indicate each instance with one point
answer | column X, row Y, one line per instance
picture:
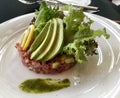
column 12, row 8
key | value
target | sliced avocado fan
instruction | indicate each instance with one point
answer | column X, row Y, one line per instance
column 52, row 42
column 44, row 43
column 57, row 45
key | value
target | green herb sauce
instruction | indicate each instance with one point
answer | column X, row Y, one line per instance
column 43, row 85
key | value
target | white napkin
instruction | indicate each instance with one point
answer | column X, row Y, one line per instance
column 116, row 2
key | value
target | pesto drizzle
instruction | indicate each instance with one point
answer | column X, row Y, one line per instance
column 43, row 85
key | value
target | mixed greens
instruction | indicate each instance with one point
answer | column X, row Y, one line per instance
column 79, row 38
column 54, row 33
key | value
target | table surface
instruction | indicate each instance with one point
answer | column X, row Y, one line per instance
column 13, row 8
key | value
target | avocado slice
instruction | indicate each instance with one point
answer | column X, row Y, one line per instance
column 58, row 42
column 39, row 39
column 51, row 42
column 44, row 43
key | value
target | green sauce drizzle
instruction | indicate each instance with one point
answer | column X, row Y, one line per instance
column 43, row 85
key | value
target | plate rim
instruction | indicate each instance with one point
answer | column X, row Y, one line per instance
column 22, row 16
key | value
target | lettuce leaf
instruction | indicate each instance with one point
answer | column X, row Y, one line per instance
column 79, row 37
column 76, row 49
column 72, row 22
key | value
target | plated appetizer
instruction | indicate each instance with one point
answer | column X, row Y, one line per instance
column 55, row 42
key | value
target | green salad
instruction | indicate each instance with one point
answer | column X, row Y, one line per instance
column 54, row 33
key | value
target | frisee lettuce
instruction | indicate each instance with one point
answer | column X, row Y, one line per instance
column 79, row 37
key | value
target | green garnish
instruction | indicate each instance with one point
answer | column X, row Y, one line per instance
column 44, row 14
column 43, row 85
column 79, row 38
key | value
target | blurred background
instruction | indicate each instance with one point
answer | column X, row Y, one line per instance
column 13, row 8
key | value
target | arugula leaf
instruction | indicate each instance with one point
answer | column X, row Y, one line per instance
column 44, row 14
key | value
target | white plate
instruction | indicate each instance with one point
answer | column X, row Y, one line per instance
column 78, row 2
column 97, row 78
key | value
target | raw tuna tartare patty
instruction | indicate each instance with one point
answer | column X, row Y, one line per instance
column 56, row 65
